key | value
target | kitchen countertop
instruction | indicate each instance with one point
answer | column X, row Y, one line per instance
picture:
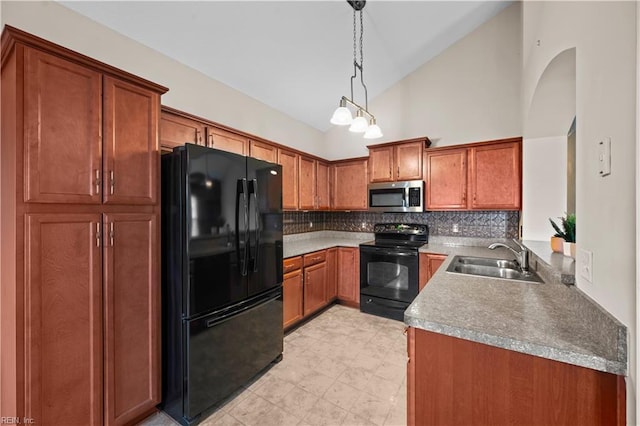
column 550, row 320
column 298, row 244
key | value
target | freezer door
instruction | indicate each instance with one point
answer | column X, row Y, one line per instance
column 265, row 224
column 217, row 214
column 227, row 349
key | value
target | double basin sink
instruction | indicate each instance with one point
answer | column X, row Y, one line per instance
column 492, row 268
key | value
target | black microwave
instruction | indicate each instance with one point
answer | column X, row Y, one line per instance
column 406, row 196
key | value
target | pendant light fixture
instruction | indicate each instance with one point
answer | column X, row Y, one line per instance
column 364, row 121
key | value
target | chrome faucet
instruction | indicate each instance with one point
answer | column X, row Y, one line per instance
column 522, row 257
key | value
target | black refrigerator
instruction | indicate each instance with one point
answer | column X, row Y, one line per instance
column 222, row 276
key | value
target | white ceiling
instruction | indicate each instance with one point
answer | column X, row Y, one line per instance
column 295, row 56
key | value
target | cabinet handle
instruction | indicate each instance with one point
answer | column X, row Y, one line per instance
column 112, row 182
column 389, row 171
column 97, row 181
column 97, row 234
column 111, row 234
column 198, row 137
column 398, row 172
column 210, row 141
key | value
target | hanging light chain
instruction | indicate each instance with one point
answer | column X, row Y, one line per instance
column 361, row 37
column 354, row 36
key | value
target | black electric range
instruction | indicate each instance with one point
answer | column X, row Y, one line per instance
column 389, row 268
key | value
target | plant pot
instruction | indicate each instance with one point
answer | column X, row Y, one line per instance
column 569, row 249
column 557, row 244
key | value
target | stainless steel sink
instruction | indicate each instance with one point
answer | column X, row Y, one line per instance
column 492, row 268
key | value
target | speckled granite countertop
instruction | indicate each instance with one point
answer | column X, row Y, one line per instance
column 549, row 320
column 297, row 244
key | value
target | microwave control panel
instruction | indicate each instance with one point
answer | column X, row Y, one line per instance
column 414, row 197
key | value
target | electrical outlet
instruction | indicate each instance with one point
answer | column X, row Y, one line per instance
column 310, row 224
column 455, row 228
column 586, row 264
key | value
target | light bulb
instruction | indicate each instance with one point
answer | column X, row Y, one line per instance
column 341, row 116
column 359, row 124
column 373, row 131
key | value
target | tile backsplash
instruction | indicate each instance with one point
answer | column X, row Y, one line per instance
column 480, row 224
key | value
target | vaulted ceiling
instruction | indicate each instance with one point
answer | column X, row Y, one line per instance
column 295, row 56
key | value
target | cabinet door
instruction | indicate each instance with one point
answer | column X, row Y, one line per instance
column 381, row 164
column 131, row 156
column 176, row 131
column 315, row 282
column 132, row 316
column 429, row 264
column 226, row 141
column 263, row 151
column 495, row 178
column 446, row 179
column 350, row 185
column 322, row 186
column 62, row 131
column 289, row 162
column 331, row 291
column 63, row 319
column 292, row 295
column 349, row 274
column 408, row 161
column 306, row 183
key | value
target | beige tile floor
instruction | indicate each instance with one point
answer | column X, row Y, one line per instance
column 341, row 368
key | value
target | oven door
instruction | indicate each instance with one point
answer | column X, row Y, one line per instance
column 389, row 273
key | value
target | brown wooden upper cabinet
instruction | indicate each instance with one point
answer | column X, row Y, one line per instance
column 289, row 162
column 307, row 183
column 483, row 176
column 323, row 186
column 176, row 130
column 226, row 141
column 495, row 176
column 101, row 128
column 397, row 161
column 349, row 191
column 446, row 183
column 263, row 151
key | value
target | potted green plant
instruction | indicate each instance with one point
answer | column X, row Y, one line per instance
column 567, row 234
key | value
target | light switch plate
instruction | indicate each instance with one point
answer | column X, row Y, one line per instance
column 586, row 264
column 604, row 157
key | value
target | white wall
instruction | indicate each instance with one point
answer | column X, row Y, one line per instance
column 544, row 185
column 604, row 35
column 468, row 93
column 190, row 90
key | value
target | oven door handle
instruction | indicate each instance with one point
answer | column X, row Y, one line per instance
column 389, row 252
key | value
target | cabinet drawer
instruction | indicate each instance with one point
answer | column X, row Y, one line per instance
column 315, row 257
column 291, row 264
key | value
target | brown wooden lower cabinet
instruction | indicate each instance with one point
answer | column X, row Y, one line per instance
column 429, row 264
column 331, row 291
column 132, row 317
column 313, row 281
column 63, row 320
column 452, row 381
column 349, row 275
column 92, row 321
column 292, row 297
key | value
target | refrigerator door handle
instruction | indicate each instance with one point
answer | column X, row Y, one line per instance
column 258, row 230
column 241, row 188
column 245, row 191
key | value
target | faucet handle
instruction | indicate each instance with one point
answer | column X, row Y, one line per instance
column 519, row 244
